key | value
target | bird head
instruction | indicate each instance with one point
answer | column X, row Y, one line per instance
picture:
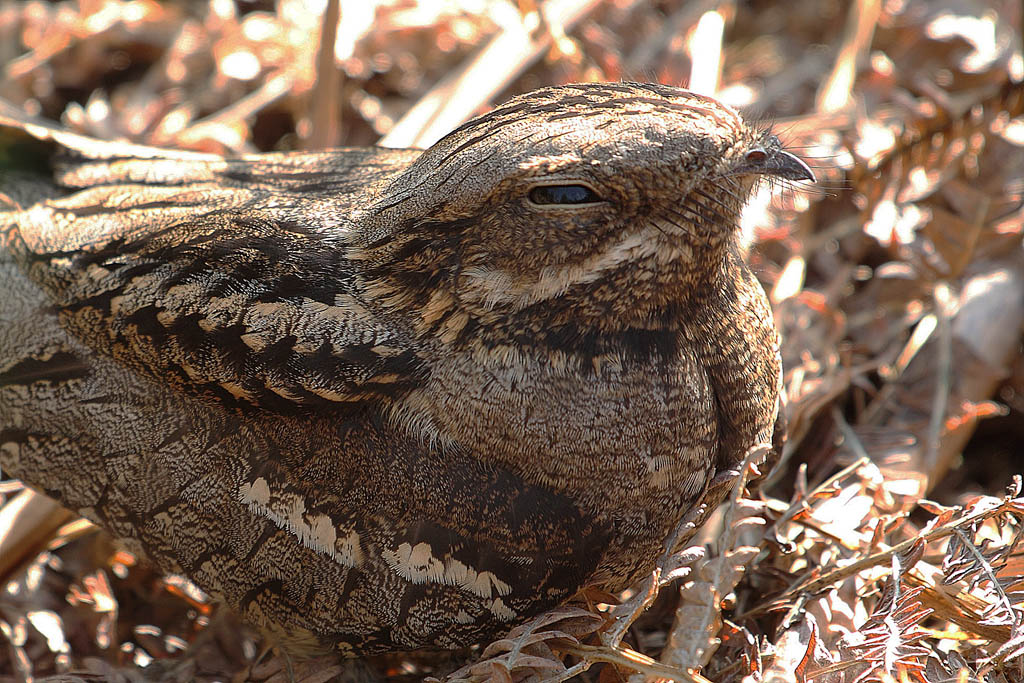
column 576, row 193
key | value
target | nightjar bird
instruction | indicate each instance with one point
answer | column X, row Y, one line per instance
column 377, row 399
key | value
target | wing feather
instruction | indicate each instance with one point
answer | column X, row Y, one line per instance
column 224, row 278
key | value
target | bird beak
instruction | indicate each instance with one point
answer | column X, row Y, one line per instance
column 774, row 162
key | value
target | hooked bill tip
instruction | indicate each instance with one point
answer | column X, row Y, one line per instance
column 775, row 162
column 792, row 167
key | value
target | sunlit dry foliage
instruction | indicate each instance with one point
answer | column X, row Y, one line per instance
column 897, row 281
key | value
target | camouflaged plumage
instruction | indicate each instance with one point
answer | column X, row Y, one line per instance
column 388, row 399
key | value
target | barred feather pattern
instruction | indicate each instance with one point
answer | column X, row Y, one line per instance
column 379, row 400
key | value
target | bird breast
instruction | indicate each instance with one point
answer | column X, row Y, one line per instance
column 645, row 429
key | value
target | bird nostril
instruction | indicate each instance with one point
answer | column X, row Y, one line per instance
column 756, row 155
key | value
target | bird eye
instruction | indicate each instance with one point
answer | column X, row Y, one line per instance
column 547, row 195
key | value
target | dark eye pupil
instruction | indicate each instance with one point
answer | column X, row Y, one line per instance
column 563, row 194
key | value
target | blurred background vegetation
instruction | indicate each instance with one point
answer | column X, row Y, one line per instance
column 897, row 281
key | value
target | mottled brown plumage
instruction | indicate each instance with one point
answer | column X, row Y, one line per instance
column 380, row 400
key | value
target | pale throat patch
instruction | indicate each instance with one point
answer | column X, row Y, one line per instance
column 493, row 287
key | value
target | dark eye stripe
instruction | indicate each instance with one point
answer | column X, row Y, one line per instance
column 563, row 194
